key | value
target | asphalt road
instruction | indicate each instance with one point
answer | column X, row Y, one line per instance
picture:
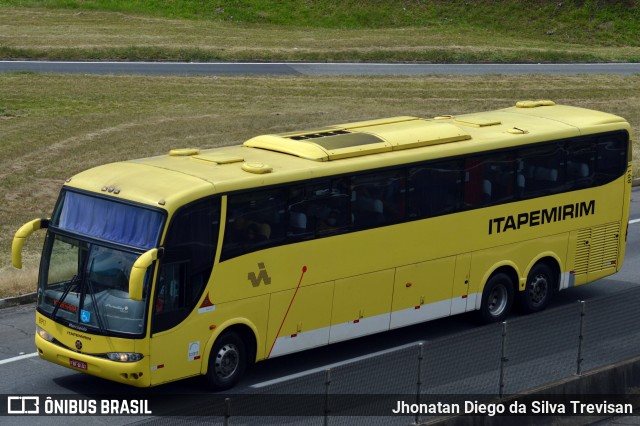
column 327, row 69
column 23, row 373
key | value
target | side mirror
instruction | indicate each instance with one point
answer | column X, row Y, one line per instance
column 136, row 279
column 20, row 237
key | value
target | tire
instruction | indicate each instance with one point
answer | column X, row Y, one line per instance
column 227, row 361
column 497, row 298
column 541, row 285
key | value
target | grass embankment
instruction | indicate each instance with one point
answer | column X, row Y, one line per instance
column 55, row 126
column 323, row 30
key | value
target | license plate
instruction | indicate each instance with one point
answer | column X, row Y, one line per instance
column 77, row 364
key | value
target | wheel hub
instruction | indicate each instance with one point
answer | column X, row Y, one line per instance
column 539, row 288
column 498, row 300
column 227, row 361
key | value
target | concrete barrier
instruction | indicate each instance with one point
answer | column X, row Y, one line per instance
column 18, row 300
column 621, row 380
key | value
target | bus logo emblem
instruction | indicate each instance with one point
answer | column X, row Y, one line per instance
column 262, row 276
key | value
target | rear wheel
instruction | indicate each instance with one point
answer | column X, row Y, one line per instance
column 497, row 298
column 227, row 362
column 541, row 284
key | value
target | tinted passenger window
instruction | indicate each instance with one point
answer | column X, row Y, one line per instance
column 255, row 220
column 318, row 208
column 377, row 199
column 540, row 170
column 611, row 158
column 434, row 189
column 489, row 180
column 580, row 164
column 189, row 253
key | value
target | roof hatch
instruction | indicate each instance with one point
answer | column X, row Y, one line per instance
column 469, row 120
column 475, row 121
column 217, row 158
column 362, row 138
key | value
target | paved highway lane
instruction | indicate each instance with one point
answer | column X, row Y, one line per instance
column 293, row 68
column 23, row 373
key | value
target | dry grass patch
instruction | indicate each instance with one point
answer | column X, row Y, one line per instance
column 15, row 282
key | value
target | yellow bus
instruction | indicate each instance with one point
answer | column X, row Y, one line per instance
column 201, row 262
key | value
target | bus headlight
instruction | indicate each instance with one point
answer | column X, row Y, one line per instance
column 124, row 356
column 42, row 333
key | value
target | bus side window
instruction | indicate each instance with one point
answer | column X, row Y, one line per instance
column 255, row 220
column 477, row 190
column 580, row 164
column 541, row 170
column 170, row 294
column 499, row 177
column 298, row 224
column 490, row 180
column 184, row 270
column 377, row 199
column 434, row 189
column 324, row 209
column 611, row 158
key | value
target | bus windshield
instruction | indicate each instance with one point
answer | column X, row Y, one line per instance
column 90, row 249
column 86, row 284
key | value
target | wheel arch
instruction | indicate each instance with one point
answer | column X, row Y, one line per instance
column 506, row 267
column 247, row 332
column 548, row 258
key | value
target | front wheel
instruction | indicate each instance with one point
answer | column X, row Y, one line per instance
column 227, row 362
column 541, row 284
column 497, row 298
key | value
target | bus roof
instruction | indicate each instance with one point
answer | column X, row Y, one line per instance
column 185, row 175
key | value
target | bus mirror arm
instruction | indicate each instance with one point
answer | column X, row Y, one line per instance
column 20, row 237
column 136, row 279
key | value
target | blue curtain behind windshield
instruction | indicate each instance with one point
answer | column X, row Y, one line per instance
column 110, row 221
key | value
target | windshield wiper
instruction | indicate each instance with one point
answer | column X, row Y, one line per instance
column 74, row 280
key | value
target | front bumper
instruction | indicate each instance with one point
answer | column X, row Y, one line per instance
column 129, row 373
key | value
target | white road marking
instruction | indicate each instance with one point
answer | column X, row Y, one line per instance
column 18, row 358
column 634, row 221
column 345, row 362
